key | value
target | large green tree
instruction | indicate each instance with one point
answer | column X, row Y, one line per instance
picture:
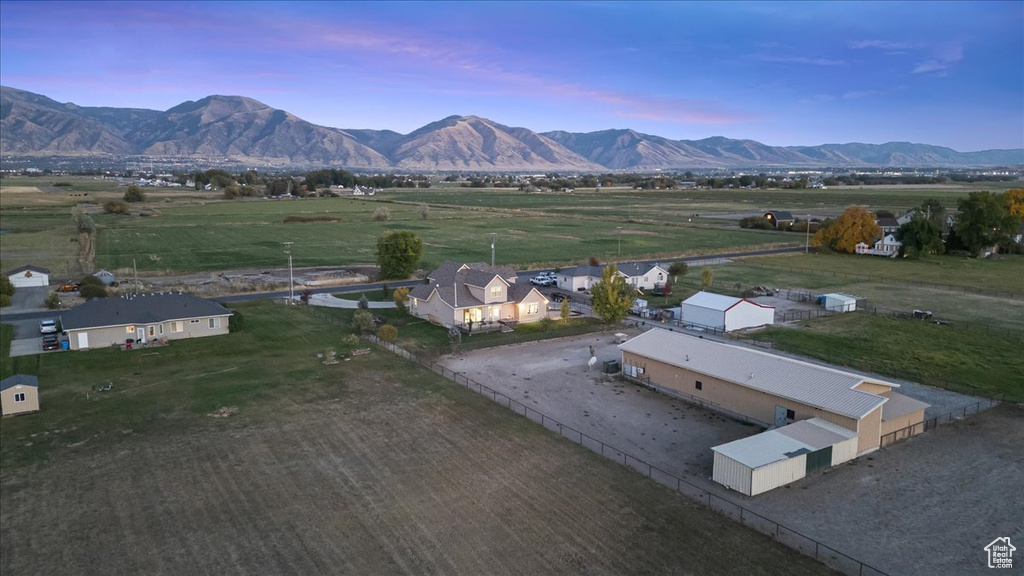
column 920, row 236
column 398, row 254
column 853, row 226
column 612, row 296
column 984, row 220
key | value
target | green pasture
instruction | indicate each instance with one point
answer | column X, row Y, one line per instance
column 982, row 364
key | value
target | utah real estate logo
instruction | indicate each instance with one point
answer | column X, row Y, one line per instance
column 1000, row 553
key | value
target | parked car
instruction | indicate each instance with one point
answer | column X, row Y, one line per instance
column 51, row 342
column 69, row 287
column 541, row 281
column 559, row 296
column 47, row 327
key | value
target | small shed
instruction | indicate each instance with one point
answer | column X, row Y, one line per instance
column 106, row 277
column 725, row 313
column 19, row 394
column 779, row 218
column 29, row 276
column 840, row 303
column 779, row 456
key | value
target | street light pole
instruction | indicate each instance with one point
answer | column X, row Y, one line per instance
column 494, row 236
column 291, row 284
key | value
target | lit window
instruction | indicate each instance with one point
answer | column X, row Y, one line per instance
column 532, row 308
column 129, row 329
column 19, row 397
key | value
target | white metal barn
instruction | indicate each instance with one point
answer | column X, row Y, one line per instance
column 840, row 303
column 29, row 276
column 782, row 455
column 726, row 313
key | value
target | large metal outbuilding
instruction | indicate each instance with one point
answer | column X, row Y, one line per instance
column 840, row 303
column 782, row 455
column 726, row 313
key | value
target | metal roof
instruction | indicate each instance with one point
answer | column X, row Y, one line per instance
column 900, row 405
column 818, row 386
column 28, row 267
column 140, row 309
column 784, row 443
column 718, row 301
column 19, row 380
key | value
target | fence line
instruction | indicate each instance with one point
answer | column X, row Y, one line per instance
column 935, row 421
column 781, row 533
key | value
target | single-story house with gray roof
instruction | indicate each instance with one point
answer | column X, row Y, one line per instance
column 638, row 275
column 19, row 394
column 142, row 318
column 469, row 295
column 779, row 218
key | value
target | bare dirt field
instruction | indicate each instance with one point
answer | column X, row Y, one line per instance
column 943, row 495
column 378, row 477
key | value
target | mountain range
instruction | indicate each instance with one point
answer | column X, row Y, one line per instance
column 246, row 130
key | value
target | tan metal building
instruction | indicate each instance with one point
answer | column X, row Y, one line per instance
column 779, row 456
column 767, row 389
column 19, row 394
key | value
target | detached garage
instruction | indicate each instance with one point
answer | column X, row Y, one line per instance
column 782, row 455
column 29, row 276
column 725, row 313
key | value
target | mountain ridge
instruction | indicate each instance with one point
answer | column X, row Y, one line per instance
column 246, row 129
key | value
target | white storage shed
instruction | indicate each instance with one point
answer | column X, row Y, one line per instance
column 29, row 276
column 779, row 456
column 840, row 303
column 726, row 313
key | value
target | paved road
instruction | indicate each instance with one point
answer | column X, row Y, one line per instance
column 523, row 276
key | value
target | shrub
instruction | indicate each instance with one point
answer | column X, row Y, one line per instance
column 594, row 261
column 6, row 287
column 362, row 322
column 52, row 301
column 381, row 214
column 756, row 222
column 91, row 287
column 236, row 321
column 424, row 211
column 350, row 340
column 5, row 300
column 387, row 333
column 364, row 304
column 546, row 323
column 117, row 207
column 401, row 298
column 134, row 194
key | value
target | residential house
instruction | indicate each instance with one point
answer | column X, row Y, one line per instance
column 887, row 246
column 779, row 218
column 888, row 224
column 906, row 217
column 19, row 394
column 29, row 276
column 143, row 318
column 475, row 295
column 638, row 275
column 578, row 278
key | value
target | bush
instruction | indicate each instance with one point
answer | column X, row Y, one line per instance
column 363, row 304
column 362, row 322
column 401, row 298
column 6, row 287
column 5, row 300
column 546, row 323
column 756, row 222
column 134, row 194
column 350, row 340
column 52, row 301
column 387, row 333
column 236, row 321
column 116, row 207
column 91, row 287
column 424, row 211
column 381, row 214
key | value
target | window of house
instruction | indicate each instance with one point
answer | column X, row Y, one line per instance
column 495, row 312
column 129, row 329
column 214, row 322
column 194, row 321
column 161, row 328
column 19, row 397
column 532, row 308
column 495, row 291
column 790, row 415
column 660, row 275
column 700, row 385
column 178, row 326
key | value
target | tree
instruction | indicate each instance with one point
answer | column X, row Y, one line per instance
column 305, row 297
column 92, row 287
column 707, row 278
column 6, row 287
column 565, row 312
column 853, row 226
column 381, row 214
column 134, row 194
column 398, row 254
column 594, row 261
column 678, row 269
column 83, row 222
column 52, row 301
column 920, row 236
column 387, row 333
column 401, row 298
column 985, row 221
column 1015, row 201
column 362, row 322
column 424, row 211
column 116, row 207
column 363, row 304
column 612, row 296
column 666, row 290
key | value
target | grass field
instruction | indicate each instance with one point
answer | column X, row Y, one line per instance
column 366, row 467
column 974, row 363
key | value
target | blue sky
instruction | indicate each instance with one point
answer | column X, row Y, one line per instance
column 801, row 73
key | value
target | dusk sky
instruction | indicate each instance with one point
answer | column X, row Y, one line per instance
column 946, row 73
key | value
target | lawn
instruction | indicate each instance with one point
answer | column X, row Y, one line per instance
column 973, row 363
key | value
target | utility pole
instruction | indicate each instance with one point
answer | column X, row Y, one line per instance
column 494, row 236
column 135, row 271
column 291, row 289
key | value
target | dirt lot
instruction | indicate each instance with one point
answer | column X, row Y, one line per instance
column 376, row 478
column 943, row 494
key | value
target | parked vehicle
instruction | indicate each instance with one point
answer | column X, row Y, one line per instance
column 69, row 287
column 559, row 296
column 47, row 326
column 51, row 342
column 542, row 281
